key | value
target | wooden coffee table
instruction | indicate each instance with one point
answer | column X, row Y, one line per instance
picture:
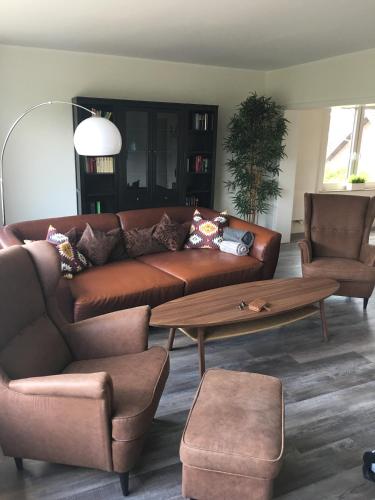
column 214, row 314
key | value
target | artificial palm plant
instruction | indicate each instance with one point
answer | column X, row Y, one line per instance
column 256, row 144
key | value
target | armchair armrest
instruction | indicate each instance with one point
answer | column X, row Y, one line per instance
column 113, row 334
column 266, row 246
column 368, row 255
column 76, row 385
column 306, row 251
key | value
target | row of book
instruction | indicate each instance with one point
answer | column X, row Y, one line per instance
column 100, row 165
column 198, row 164
column 201, row 121
column 98, row 112
column 192, row 201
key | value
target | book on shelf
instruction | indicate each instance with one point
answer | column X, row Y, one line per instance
column 201, row 121
column 96, row 207
column 192, row 201
column 98, row 112
column 100, row 165
column 197, row 164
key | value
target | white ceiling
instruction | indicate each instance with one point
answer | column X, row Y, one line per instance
column 256, row 34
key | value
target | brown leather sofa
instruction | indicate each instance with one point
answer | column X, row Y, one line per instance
column 150, row 279
column 80, row 394
column 336, row 244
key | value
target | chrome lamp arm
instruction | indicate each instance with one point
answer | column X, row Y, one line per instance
column 29, row 110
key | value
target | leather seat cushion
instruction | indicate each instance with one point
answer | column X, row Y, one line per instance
column 236, row 425
column 204, row 269
column 339, row 269
column 138, row 382
column 120, row 285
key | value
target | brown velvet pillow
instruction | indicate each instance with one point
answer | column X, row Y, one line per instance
column 97, row 245
column 170, row 234
column 141, row 242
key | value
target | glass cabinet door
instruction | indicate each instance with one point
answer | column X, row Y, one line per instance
column 136, row 144
column 166, row 157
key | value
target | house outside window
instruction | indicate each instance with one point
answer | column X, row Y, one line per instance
column 350, row 146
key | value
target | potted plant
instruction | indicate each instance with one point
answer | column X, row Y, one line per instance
column 356, row 182
column 256, row 144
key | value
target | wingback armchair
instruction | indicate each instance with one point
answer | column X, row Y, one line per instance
column 336, row 244
column 80, row 394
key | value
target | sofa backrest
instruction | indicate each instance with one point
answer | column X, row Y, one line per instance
column 37, row 229
column 337, row 224
column 30, row 343
column 147, row 217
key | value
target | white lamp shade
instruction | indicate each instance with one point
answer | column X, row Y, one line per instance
column 97, row 136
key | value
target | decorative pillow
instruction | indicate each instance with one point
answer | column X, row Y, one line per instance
column 72, row 261
column 97, row 245
column 141, row 242
column 54, row 237
column 170, row 234
column 206, row 233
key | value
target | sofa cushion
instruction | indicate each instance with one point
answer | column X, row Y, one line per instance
column 141, row 241
column 120, row 285
column 170, row 234
column 204, row 269
column 339, row 269
column 206, row 233
column 138, row 381
column 97, row 245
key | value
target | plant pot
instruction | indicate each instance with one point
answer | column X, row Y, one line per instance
column 355, row 186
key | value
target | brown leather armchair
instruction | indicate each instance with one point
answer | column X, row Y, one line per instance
column 80, row 394
column 336, row 244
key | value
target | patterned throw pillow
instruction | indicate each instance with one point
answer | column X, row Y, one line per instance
column 72, row 261
column 54, row 237
column 206, row 233
column 98, row 245
column 170, row 234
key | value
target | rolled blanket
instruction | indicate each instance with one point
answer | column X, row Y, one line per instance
column 234, row 248
column 238, row 236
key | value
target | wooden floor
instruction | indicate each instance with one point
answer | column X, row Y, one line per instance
column 330, row 411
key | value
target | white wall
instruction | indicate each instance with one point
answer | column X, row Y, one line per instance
column 347, row 79
column 313, row 132
column 283, row 206
column 39, row 177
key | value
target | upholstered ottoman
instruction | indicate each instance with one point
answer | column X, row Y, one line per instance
column 233, row 441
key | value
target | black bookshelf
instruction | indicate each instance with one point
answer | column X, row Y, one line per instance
column 168, row 156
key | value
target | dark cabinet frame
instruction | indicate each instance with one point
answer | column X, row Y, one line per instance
column 111, row 190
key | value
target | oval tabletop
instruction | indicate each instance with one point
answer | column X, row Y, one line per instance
column 219, row 306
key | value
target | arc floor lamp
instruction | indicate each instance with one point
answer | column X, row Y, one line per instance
column 94, row 136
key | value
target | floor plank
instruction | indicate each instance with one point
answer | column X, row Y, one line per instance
column 330, row 411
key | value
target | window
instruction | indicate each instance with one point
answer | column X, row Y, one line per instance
column 350, row 146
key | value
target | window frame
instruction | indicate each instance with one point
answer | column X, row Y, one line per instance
column 355, row 150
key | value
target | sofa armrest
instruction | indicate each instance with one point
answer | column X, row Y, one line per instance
column 8, row 238
column 75, row 385
column 266, row 246
column 112, row 334
column 368, row 255
column 306, row 251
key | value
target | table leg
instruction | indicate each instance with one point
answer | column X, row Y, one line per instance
column 172, row 333
column 202, row 363
column 323, row 320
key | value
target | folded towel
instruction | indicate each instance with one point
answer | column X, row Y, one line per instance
column 234, row 248
column 238, row 236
